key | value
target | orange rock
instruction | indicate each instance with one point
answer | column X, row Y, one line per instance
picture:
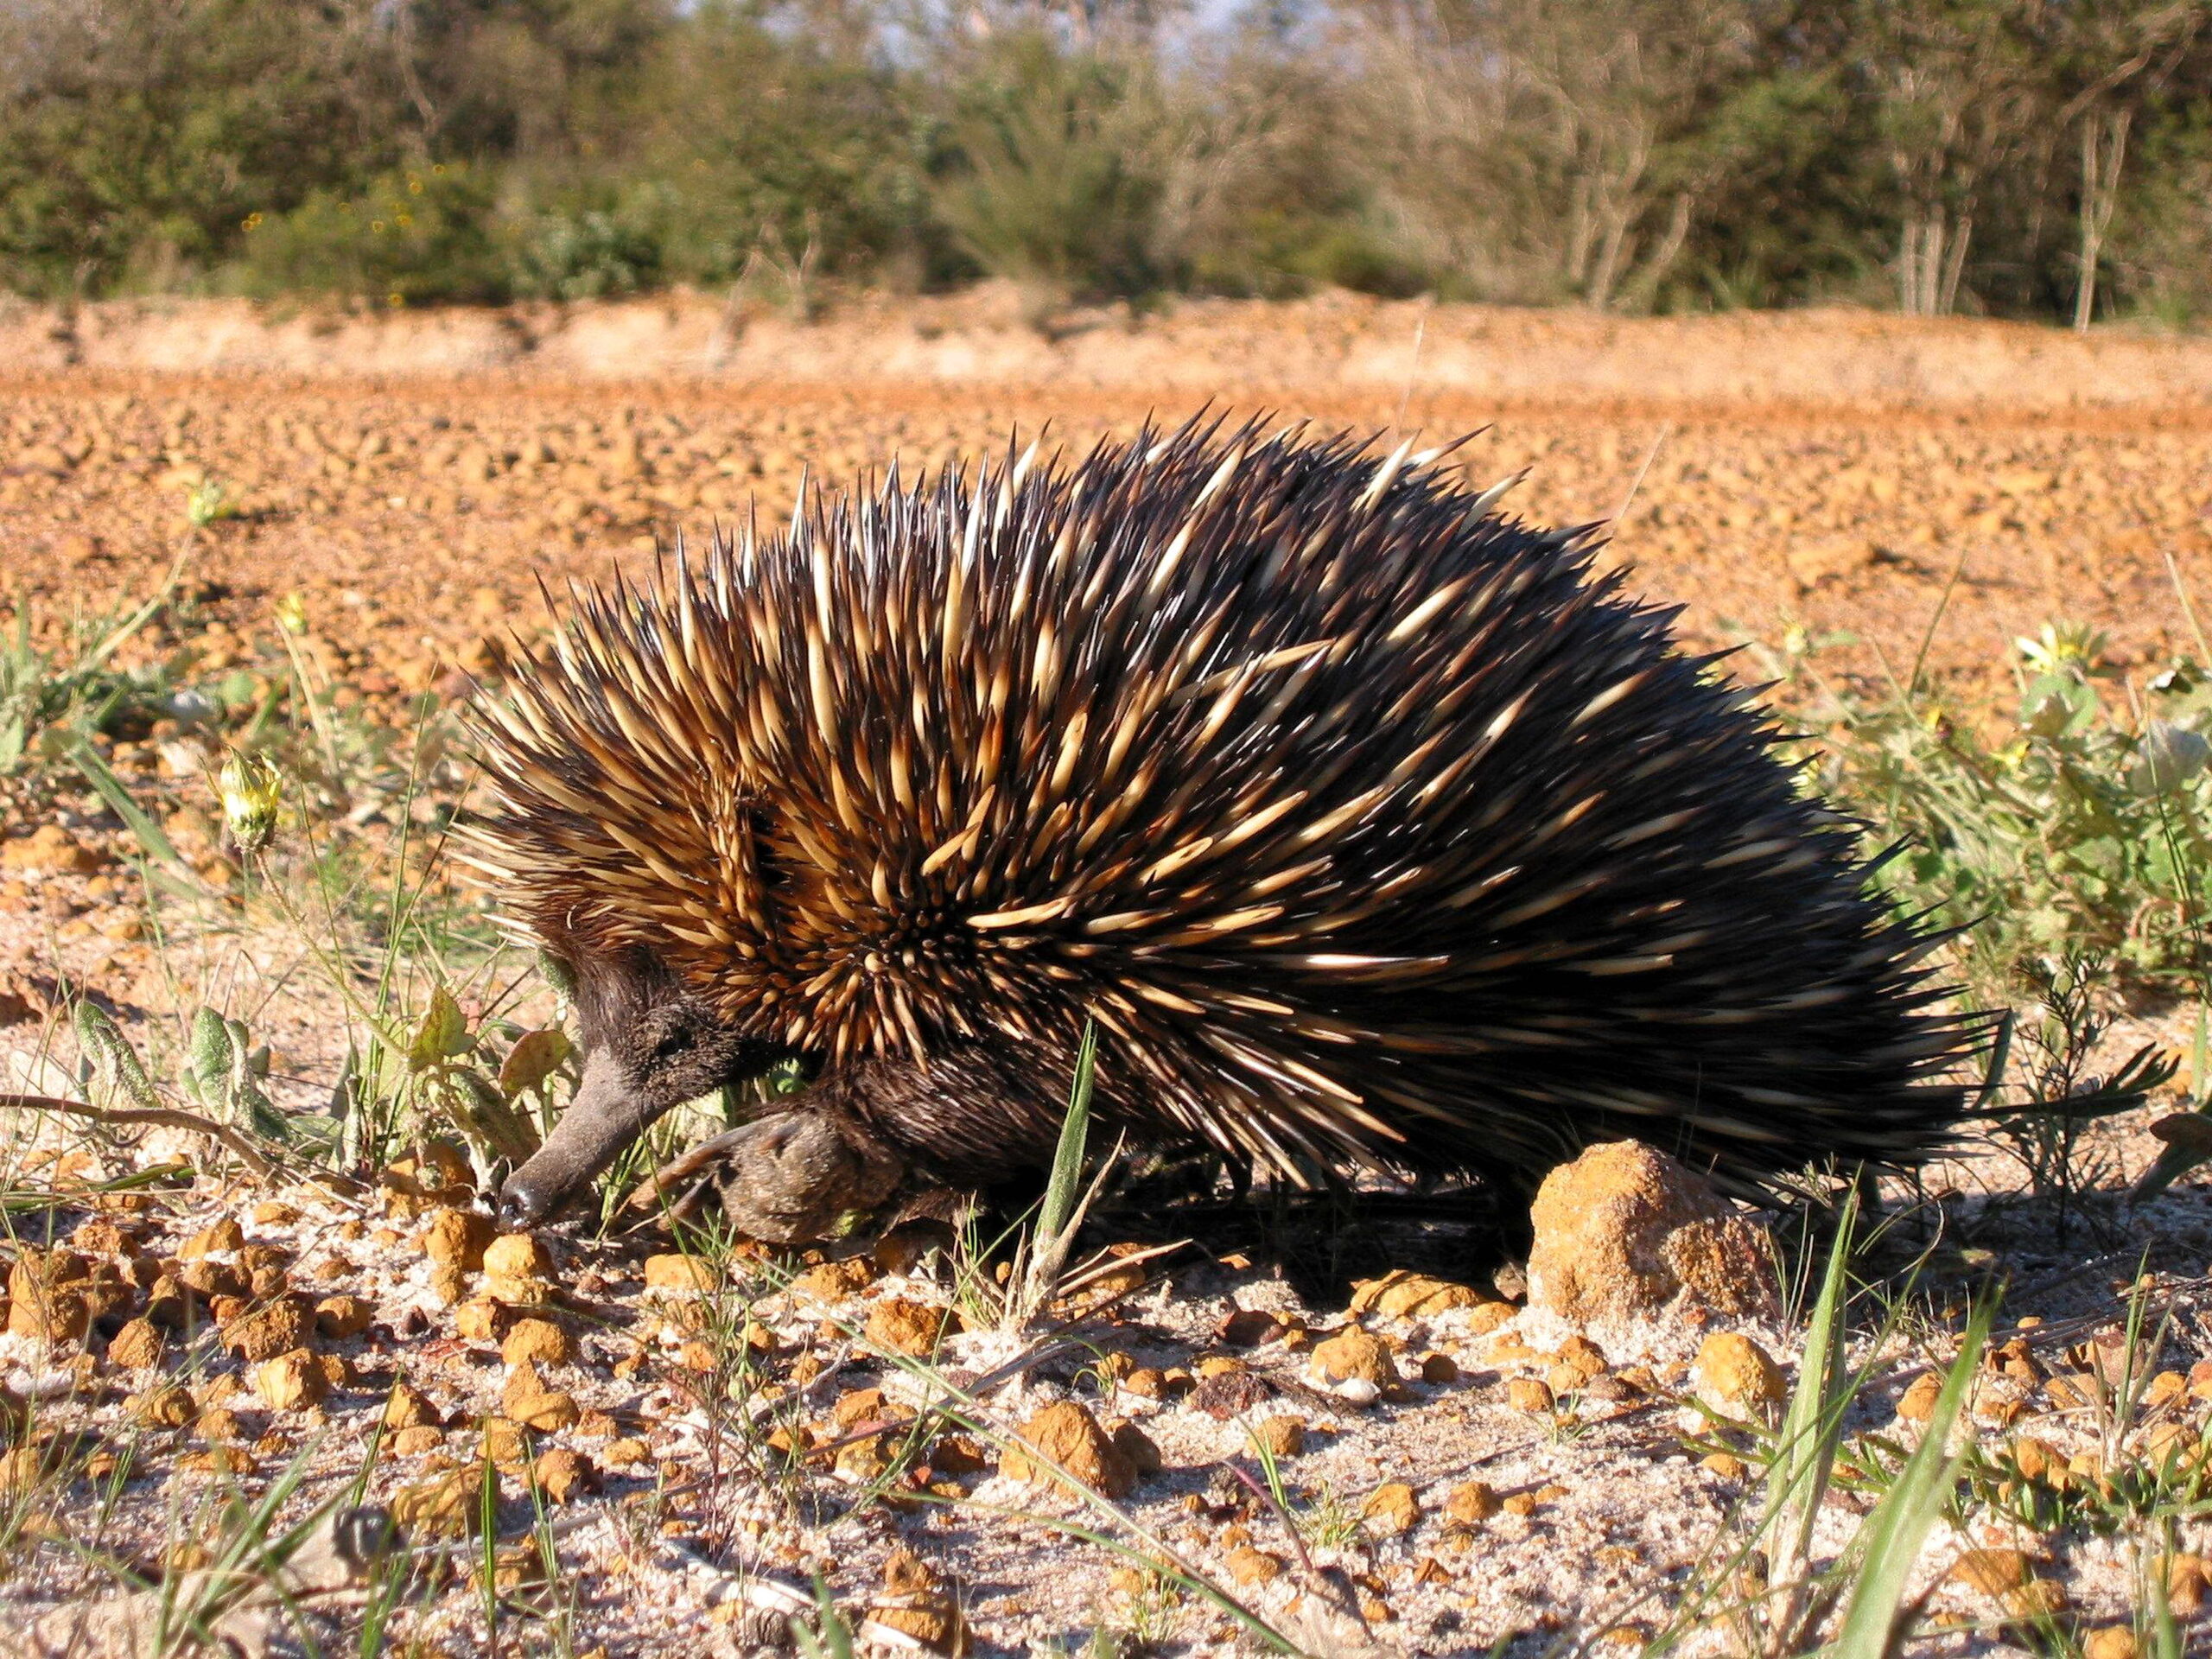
column 1530, row 1393
column 1993, row 1572
column 407, row 1407
column 1402, row 1293
column 518, row 1255
column 680, row 1272
column 538, row 1340
column 339, row 1317
column 1737, row 1378
column 47, row 1298
column 919, row 1603
column 562, row 1475
column 832, row 1281
column 458, row 1238
column 275, row 1327
column 164, row 1408
column 135, row 1347
column 1249, row 1566
column 1353, row 1355
column 906, row 1326
column 1067, row 1434
column 481, row 1319
column 292, row 1382
column 1390, row 1509
column 1625, row 1234
column 50, row 848
column 549, row 1414
column 2189, row 1583
column 445, row 1506
column 221, row 1238
column 1473, row 1502
column 1917, row 1403
column 1139, row 1447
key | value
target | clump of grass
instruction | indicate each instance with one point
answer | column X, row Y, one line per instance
column 2045, row 1133
column 54, row 699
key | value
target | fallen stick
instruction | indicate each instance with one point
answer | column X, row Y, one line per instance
column 152, row 1116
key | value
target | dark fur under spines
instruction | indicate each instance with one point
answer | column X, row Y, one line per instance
column 1370, row 826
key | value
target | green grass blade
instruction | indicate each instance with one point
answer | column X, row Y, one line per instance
column 150, row 835
column 1878, row 1617
column 1797, row 1478
column 1066, row 1184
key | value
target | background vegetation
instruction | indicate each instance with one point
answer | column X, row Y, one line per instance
column 2039, row 158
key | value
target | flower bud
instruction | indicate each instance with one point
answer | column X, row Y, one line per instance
column 251, row 790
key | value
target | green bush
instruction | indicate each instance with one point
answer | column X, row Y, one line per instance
column 790, row 144
column 588, row 251
column 2076, row 831
column 137, row 137
column 411, row 236
column 1055, row 169
column 1627, row 154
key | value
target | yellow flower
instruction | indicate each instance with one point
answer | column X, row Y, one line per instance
column 251, row 790
column 291, row 612
column 2064, row 645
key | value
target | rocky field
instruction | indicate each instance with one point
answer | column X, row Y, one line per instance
column 284, row 1388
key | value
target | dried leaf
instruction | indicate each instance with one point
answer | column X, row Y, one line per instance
column 536, row 1056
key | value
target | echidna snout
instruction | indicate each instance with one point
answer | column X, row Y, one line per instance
column 649, row 1046
column 1366, row 825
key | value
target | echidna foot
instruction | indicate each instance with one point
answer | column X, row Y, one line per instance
column 787, row 1179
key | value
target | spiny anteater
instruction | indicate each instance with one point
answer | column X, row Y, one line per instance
column 1369, row 825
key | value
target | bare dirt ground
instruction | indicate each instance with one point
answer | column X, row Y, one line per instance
column 1903, row 490
column 1836, row 469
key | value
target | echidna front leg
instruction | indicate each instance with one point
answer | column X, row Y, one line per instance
column 787, row 1179
column 963, row 1120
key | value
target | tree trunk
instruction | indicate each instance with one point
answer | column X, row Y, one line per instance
column 1920, row 261
column 1581, row 232
column 2104, row 148
column 1611, row 252
column 1947, row 297
column 1644, row 287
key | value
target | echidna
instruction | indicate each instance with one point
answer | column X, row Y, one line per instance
column 1368, row 825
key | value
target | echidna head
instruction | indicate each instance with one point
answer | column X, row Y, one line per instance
column 648, row 1045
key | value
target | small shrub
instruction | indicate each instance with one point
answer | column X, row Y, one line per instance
column 413, row 236
column 2072, row 829
column 586, row 251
